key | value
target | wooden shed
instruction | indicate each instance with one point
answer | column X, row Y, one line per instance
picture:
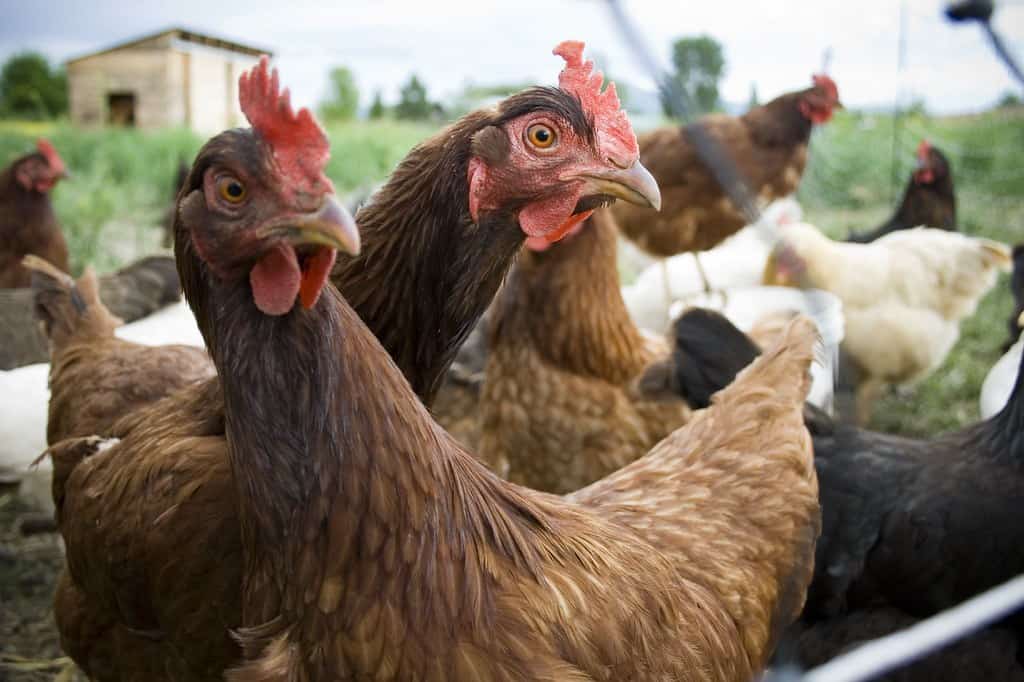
column 172, row 78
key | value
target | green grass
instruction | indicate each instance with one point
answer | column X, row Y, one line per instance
column 848, row 185
column 122, row 180
column 112, row 208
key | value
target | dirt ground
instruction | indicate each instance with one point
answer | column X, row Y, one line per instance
column 29, row 565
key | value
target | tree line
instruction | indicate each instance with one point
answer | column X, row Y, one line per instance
column 31, row 89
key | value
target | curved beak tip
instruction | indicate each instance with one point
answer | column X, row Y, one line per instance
column 645, row 185
column 1020, row 319
column 635, row 185
column 332, row 226
column 342, row 226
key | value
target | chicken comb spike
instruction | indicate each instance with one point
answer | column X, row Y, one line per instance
column 298, row 143
column 924, row 149
column 614, row 131
column 825, row 82
column 50, row 154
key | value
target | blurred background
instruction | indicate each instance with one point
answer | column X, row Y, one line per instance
column 126, row 95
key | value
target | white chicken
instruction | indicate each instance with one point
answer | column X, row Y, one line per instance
column 999, row 381
column 736, row 262
column 903, row 295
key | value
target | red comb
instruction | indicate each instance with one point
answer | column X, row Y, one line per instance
column 923, row 149
column 297, row 141
column 826, row 83
column 50, row 154
column 579, row 78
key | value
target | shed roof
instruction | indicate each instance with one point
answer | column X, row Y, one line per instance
column 185, row 35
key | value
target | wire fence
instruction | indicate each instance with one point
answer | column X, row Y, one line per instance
column 899, row 649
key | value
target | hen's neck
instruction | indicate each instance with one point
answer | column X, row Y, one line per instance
column 22, row 207
column 781, row 120
column 568, row 304
column 301, row 405
column 920, row 205
column 427, row 272
column 335, row 458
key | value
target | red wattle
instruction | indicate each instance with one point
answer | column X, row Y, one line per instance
column 314, row 276
column 275, row 280
column 544, row 217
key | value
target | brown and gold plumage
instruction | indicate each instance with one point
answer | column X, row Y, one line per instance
column 376, row 547
column 769, row 146
column 427, row 271
column 560, row 406
column 89, row 387
column 131, row 293
column 28, row 224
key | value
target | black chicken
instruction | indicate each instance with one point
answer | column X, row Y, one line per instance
column 928, row 199
column 909, row 527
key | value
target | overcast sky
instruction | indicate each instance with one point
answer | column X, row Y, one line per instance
column 776, row 45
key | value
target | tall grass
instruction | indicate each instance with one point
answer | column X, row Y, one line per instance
column 122, row 184
column 122, row 180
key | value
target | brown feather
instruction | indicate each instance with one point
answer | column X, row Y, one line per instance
column 768, row 145
column 560, row 407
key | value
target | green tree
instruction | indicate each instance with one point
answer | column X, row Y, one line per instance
column 412, row 102
column 30, row 89
column 343, row 101
column 699, row 63
column 1009, row 100
column 377, row 110
column 754, row 100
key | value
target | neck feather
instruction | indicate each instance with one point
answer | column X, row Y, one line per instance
column 566, row 303
column 427, row 272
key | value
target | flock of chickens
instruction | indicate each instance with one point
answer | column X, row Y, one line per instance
column 438, row 441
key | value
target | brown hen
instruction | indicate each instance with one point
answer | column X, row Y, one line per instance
column 437, row 239
column 131, row 293
column 381, row 549
column 769, row 146
column 85, row 355
column 27, row 222
column 560, row 405
column 376, row 547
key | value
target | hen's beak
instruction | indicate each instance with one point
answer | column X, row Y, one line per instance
column 331, row 226
column 634, row 184
column 1020, row 320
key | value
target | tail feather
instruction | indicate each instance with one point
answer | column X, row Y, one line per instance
column 64, row 306
column 709, row 352
column 798, row 346
column 996, row 254
column 66, row 455
column 141, row 288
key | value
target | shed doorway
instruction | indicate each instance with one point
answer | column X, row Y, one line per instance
column 121, row 109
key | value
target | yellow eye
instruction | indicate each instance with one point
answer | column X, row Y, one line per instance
column 231, row 190
column 540, row 135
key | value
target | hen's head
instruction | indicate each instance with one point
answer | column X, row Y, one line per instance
column 257, row 203
column 555, row 154
column 40, row 171
column 818, row 102
column 932, row 164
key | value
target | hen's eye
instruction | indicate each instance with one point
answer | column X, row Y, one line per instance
column 231, row 190
column 540, row 135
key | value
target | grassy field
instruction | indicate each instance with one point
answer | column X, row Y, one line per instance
column 122, row 180
column 112, row 208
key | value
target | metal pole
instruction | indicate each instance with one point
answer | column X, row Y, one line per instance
column 897, row 113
